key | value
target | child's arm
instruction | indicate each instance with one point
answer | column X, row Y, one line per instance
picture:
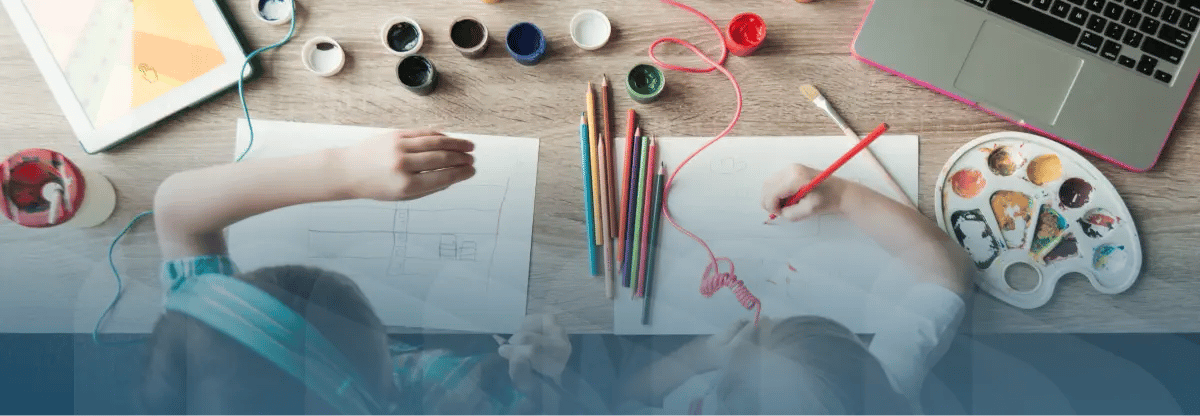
column 192, row 208
column 701, row 355
column 901, row 230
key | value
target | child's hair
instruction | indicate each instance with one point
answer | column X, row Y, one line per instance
column 838, row 373
column 193, row 368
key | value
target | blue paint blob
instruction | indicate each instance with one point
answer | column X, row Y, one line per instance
column 526, row 43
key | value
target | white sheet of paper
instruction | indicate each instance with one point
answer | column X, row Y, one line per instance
column 457, row 259
column 838, row 271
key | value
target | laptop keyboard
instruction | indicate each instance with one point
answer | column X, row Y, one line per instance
column 1149, row 37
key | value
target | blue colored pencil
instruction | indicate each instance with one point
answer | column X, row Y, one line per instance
column 630, row 204
column 585, row 150
column 655, row 221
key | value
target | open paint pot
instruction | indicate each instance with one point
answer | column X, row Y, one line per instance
column 42, row 188
column 276, row 12
column 645, row 83
column 470, row 37
column 417, row 74
column 745, row 34
column 323, row 56
column 526, row 43
column 402, row 36
column 590, row 29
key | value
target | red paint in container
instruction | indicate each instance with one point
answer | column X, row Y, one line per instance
column 745, row 34
column 76, row 198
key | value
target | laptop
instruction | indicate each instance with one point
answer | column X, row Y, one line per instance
column 117, row 67
column 1108, row 77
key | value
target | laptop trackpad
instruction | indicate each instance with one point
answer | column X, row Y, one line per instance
column 1018, row 74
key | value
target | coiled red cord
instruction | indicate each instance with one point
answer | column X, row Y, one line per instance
column 713, row 279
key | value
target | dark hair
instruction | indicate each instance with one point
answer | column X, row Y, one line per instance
column 193, row 368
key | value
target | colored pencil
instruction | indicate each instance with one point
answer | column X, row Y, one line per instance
column 655, row 222
column 634, row 252
column 623, row 208
column 607, row 126
column 587, row 194
column 630, row 205
column 644, row 244
column 862, row 144
column 595, row 161
column 605, row 218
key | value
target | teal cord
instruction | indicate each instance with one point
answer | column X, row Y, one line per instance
column 245, row 110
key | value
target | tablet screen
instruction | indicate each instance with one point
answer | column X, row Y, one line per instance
column 117, row 55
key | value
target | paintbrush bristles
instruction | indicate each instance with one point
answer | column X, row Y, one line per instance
column 810, row 91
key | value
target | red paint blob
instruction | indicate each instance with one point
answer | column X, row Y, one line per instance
column 746, row 33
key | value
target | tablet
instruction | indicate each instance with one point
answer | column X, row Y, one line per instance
column 117, row 67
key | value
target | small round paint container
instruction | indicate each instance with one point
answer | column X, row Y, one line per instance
column 275, row 12
column 590, row 29
column 645, row 83
column 526, row 43
column 42, row 188
column 323, row 56
column 402, row 36
column 417, row 74
column 745, row 34
column 470, row 37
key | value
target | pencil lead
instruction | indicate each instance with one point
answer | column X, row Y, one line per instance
column 605, row 77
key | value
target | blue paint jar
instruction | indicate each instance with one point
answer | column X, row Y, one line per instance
column 526, row 43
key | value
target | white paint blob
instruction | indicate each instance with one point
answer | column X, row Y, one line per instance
column 590, row 29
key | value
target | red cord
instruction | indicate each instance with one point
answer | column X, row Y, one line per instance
column 714, row 279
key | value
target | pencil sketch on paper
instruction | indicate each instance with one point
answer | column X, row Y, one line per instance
column 457, row 259
column 417, row 237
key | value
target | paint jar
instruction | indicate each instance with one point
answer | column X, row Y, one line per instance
column 526, row 43
column 323, row 56
column 42, row 188
column 275, row 12
column 590, row 29
column 402, row 36
column 417, row 74
column 745, row 34
column 645, row 83
column 470, row 36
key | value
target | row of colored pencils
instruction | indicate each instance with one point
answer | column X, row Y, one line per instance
column 622, row 218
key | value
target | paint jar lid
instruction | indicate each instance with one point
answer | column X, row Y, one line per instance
column 276, row 12
column 323, row 56
column 645, row 83
column 22, row 178
column 745, row 34
column 590, row 29
column 402, row 36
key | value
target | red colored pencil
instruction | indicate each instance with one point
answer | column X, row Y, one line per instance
column 862, row 144
column 632, row 122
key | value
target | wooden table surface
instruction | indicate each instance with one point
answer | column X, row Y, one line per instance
column 59, row 281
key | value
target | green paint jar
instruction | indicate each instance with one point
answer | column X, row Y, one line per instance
column 645, row 83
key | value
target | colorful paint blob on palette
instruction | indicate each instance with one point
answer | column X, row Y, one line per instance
column 973, row 233
column 1013, row 211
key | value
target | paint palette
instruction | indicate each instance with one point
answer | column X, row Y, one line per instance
column 1029, row 212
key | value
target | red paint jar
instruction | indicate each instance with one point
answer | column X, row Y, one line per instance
column 745, row 34
column 77, row 198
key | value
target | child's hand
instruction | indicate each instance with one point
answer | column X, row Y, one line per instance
column 540, row 346
column 824, row 199
column 405, row 165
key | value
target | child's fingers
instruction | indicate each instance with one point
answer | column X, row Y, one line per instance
column 780, row 187
column 435, row 142
column 434, row 160
column 427, row 181
column 428, row 131
column 803, row 208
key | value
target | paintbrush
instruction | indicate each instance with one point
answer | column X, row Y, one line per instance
column 813, row 94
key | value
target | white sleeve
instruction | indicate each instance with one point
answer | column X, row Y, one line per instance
column 916, row 336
